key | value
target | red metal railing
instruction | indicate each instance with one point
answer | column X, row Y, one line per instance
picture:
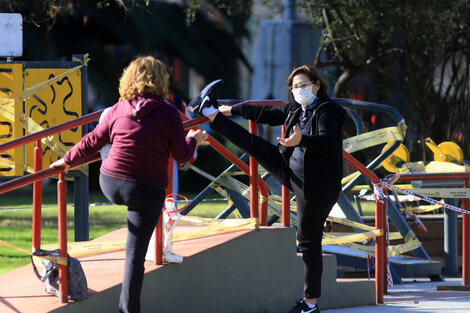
column 380, row 223
column 39, row 175
column 465, row 217
column 62, row 211
column 380, row 251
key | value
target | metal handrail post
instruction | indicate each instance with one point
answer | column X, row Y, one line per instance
column 466, row 240
column 62, row 223
column 37, row 197
column 285, row 192
column 380, row 223
column 254, row 197
column 159, row 226
column 381, row 249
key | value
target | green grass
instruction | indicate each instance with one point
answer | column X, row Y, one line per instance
column 16, row 220
column 16, row 225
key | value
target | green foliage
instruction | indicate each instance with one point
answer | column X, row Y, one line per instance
column 114, row 31
column 418, row 51
column 16, row 225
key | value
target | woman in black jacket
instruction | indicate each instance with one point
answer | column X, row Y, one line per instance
column 308, row 160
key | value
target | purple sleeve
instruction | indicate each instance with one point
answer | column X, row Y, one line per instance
column 90, row 143
column 181, row 147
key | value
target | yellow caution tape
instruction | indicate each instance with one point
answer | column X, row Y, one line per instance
column 367, row 187
column 372, row 138
column 7, row 109
column 216, row 227
column 337, row 240
column 392, row 235
column 392, row 250
column 58, row 260
column 410, row 236
column 350, row 177
column 422, row 208
column 403, row 248
column 83, row 248
column 6, row 163
column 350, row 223
column 433, row 167
column 31, row 91
column 207, row 227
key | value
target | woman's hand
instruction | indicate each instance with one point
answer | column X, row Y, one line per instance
column 200, row 136
column 60, row 164
column 293, row 139
column 225, row 110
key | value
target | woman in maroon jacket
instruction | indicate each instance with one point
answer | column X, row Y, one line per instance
column 144, row 130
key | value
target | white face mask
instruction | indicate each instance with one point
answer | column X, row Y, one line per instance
column 304, row 96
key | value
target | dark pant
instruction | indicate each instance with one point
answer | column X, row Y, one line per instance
column 144, row 204
column 311, row 214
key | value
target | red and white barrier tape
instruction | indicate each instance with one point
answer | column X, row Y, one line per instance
column 388, row 182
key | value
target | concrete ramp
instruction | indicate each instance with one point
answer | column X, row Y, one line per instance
column 245, row 271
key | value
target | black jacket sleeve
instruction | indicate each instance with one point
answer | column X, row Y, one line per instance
column 270, row 115
column 329, row 126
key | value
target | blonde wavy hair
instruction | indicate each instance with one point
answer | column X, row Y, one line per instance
column 144, row 75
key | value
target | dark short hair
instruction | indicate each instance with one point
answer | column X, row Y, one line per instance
column 313, row 75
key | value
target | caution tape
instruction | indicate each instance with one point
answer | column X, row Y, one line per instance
column 31, row 91
column 207, row 227
column 372, row 138
column 7, row 108
column 443, row 192
column 391, row 251
column 433, row 167
column 32, row 127
column 6, row 163
column 393, row 235
column 388, row 183
column 337, row 240
column 58, row 259
column 346, row 222
column 422, row 208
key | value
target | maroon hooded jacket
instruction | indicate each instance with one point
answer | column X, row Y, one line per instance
column 143, row 137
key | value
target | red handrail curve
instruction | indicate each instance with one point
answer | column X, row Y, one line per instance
column 45, row 173
column 193, row 123
column 25, row 180
column 80, row 121
column 62, row 218
column 380, row 223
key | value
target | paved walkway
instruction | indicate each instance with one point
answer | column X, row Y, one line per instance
column 419, row 296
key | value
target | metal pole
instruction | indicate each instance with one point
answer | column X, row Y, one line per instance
column 285, row 192
column 450, row 242
column 81, row 185
column 380, row 251
column 159, row 226
column 62, row 222
column 254, row 204
column 466, row 240
column 37, row 197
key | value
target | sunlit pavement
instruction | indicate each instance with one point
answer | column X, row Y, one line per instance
column 419, row 295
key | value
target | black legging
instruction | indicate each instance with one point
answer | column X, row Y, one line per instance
column 311, row 214
column 144, row 204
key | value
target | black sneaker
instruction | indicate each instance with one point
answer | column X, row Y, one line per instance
column 205, row 98
column 302, row 307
